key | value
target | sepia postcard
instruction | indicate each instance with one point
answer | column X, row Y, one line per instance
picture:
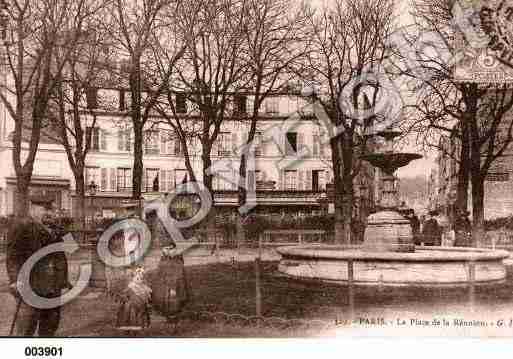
column 255, row 169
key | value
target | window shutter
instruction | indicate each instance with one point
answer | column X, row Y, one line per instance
column 113, row 179
column 129, row 138
column 95, row 142
column 104, row 179
column 308, row 180
column 215, row 147
column 263, row 145
column 234, row 144
column 322, row 180
column 88, row 137
column 103, row 138
column 170, row 181
column 121, row 139
column 300, row 180
column 170, row 146
column 325, row 145
column 122, row 106
column 163, row 180
column 316, row 143
column 235, row 177
column 300, row 142
column 250, row 180
column 86, row 177
column 163, row 143
column 177, row 147
column 144, row 180
column 282, row 180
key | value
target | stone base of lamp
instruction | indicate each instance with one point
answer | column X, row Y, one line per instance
column 388, row 231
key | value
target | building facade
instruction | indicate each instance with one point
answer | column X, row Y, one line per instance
column 498, row 196
column 282, row 181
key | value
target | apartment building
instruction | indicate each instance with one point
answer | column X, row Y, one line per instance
column 498, row 196
column 282, row 181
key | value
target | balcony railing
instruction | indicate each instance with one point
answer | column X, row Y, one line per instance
column 273, row 197
column 124, row 189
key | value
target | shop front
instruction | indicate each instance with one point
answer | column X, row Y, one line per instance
column 55, row 189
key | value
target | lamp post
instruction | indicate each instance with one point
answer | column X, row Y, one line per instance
column 91, row 188
column 98, row 277
column 363, row 201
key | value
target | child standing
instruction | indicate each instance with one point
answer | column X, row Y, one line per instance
column 134, row 311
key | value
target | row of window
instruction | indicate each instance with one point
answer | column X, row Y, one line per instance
column 162, row 143
column 155, row 179
column 96, row 100
column 120, row 179
column 155, row 143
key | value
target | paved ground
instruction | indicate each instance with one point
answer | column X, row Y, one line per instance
column 225, row 284
column 93, row 308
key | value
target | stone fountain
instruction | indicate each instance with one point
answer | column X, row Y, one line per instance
column 387, row 230
column 388, row 255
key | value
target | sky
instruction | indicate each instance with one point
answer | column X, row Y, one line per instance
column 423, row 166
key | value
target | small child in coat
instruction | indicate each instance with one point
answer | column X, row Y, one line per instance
column 134, row 311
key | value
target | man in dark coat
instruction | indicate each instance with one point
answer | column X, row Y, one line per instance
column 462, row 229
column 431, row 232
column 415, row 226
column 48, row 277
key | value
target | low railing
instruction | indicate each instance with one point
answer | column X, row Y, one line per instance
column 280, row 237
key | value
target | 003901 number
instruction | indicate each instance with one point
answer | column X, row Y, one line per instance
column 43, row 351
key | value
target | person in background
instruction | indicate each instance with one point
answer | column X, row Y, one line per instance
column 415, row 226
column 431, row 232
column 49, row 276
column 462, row 229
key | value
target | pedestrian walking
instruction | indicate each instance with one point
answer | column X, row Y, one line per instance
column 431, row 232
column 48, row 277
column 415, row 226
column 462, row 229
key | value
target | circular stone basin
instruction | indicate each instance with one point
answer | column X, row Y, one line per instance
column 427, row 266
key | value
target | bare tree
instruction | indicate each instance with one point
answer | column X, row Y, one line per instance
column 475, row 115
column 209, row 73
column 73, row 117
column 36, row 29
column 136, row 26
column 275, row 43
column 348, row 40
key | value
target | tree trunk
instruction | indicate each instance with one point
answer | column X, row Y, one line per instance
column 138, row 161
column 477, row 210
column 207, row 182
column 337, row 182
column 80, row 195
column 242, row 195
column 22, row 195
column 464, row 168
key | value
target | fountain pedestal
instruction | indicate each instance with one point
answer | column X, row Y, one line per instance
column 387, row 230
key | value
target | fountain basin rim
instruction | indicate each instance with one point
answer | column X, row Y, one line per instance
column 421, row 254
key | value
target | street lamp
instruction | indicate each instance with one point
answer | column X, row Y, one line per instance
column 364, row 198
column 91, row 188
column 98, row 277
